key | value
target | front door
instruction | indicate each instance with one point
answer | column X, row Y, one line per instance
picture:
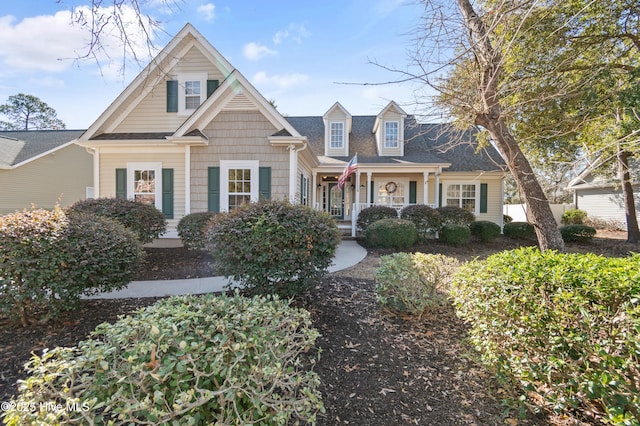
column 336, row 201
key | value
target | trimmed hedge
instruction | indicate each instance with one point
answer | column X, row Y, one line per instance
column 519, row 231
column 564, row 328
column 577, row 233
column 414, row 284
column 391, row 233
column 485, row 230
column 192, row 227
column 374, row 213
column 48, row 259
column 273, row 247
column 144, row 219
column 455, row 235
column 426, row 219
column 455, row 216
column 186, row 360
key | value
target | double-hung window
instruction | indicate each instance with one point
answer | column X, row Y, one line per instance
column 191, row 92
column 462, row 195
column 337, row 135
column 239, row 184
column 144, row 182
column 391, row 134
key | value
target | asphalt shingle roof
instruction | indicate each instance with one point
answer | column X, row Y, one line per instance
column 17, row 146
column 424, row 143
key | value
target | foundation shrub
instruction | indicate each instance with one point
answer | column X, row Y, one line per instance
column 273, row 247
column 455, row 235
column 426, row 219
column 562, row 328
column 577, row 233
column 455, row 216
column 374, row 213
column 573, row 217
column 191, row 229
column 48, row 259
column 145, row 220
column 186, row 360
column 486, row 231
column 414, row 283
column 519, row 231
column 391, row 233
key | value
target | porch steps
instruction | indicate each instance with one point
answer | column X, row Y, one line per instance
column 344, row 226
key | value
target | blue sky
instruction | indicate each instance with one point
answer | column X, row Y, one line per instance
column 295, row 52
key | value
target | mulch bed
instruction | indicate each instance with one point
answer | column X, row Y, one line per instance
column 375, row 368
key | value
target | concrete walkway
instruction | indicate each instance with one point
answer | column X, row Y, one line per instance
column 348, row 254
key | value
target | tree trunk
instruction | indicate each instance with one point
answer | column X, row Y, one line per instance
column 489, row 60
column 633, row 232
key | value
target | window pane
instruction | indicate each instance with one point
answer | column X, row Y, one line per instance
column 337, row 132
column 247, row 174
column 145, row 186
column 453, row 191
column 192, row 88
column 391, row 134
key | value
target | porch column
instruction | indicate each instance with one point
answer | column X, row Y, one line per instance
column 437, row 191
column 355, row 211
column 314, row 197
column 369, row 188
column 425, row 188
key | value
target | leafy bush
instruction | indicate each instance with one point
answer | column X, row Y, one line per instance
column 577, row 233
column 565, row 327
column 186, row 360
column 414, row 283
column 191, row 229
column 374, row 213
column 573, row 217
column 455, row 235
column 519, row 230
column 144, row 219
column 506, row 218
column 391, row 233
column 485, row 230
column 455, row 216
column 48, row 259
column 426, row 219
column 273, row 247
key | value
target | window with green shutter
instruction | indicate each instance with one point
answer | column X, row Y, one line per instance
column 121, row 183
column 213, row 189
column 264, row 183
column 172, row 96
column 413, row 189
column 212, row 85
column 484, row 189
column 167, row 193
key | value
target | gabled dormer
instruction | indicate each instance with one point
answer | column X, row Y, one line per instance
column 389, row 130
column 337, row 127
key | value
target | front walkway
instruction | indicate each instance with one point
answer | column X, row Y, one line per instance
column 348, row 253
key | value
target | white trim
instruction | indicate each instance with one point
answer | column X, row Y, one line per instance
column 331, row 123
column 183, row 78
column 157, row 168
column 225, row 166
column 476, row 185
column 384, row 136
column 187, row 179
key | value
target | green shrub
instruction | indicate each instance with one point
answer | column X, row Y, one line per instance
column 573, row 217
column 455, row 216
column 186, row 360
column 191, row 229
column 48, row 259
column 415, row 283
column 391, row 233
column 577, row 233
column 485, row 230
column 455, row 235
column 273, row 247
column 144, row 219
column 374, row 213
column 519, row 230
column 426, row 219
column 565, row 327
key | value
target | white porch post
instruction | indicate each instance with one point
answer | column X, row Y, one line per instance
column 355, row 211
column 314, row 186
column 425, row 188
column 437, row 191
column 187, row 179
column 293, row 169
column 369, row 188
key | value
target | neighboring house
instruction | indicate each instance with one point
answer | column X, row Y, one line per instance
column 191, row 134
column 601, row 197
column 42, row 168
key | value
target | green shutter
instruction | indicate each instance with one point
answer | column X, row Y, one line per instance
column 413, row 187
column 373, row 200
column 483, row 197
column 264, row 183
column 301, row 186
column 213, row 189
column 212, row 85
column 172, row 96
column 439, row 195
column 121, row 183
column 167, row 193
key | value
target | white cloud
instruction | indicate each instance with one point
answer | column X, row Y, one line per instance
column 51, row 43
column 207, row 11
column 50, row 82
column 296, row 32
column 254, row 51
column 281, row 81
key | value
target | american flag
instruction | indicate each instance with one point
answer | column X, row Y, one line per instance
column 352, row 166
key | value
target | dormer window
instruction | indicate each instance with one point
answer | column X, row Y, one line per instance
column 188, row 92
column 391, row 134
column 337, row 135
column 192, row 92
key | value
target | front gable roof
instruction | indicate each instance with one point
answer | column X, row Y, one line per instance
column 21, row 147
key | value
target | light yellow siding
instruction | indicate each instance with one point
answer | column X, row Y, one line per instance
column 60, row 177
column 238, row 135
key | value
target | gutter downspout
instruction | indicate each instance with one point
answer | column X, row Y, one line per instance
column 293, row 169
